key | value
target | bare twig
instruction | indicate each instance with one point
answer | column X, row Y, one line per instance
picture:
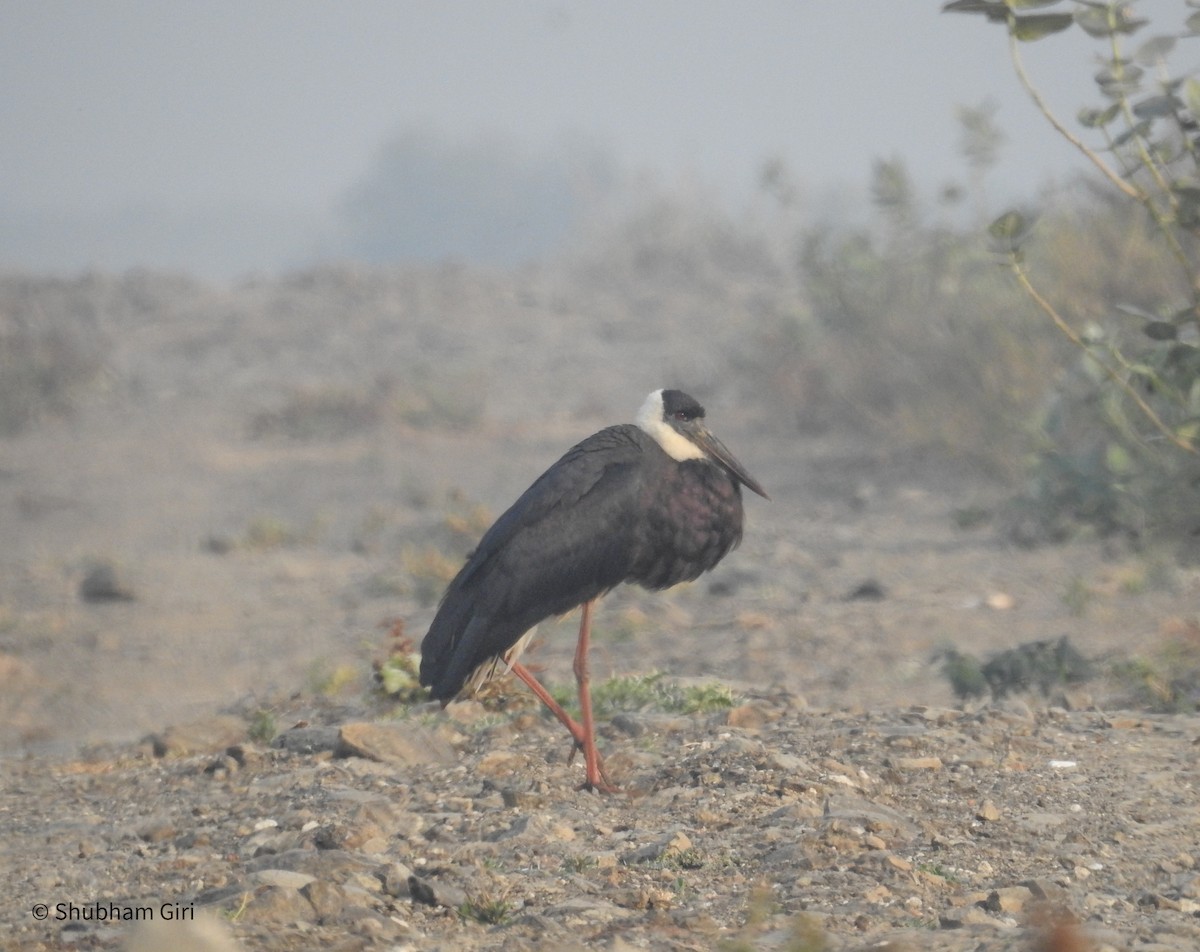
column 1126, row 187
column 1018, row 269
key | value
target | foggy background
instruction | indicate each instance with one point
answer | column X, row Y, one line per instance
column 223, row 138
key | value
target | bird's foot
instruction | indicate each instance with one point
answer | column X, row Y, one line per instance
column 596, row 778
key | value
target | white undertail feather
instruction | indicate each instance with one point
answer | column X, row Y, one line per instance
column 490, row 669
column 676, row 446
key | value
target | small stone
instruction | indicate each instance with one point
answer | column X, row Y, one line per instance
column 157, row 831
column 501, row 763
column 788, row 763
column 678, row 842
column 279, row 904
column 916, row 763
column 207, row 736
column 103, row 583
column 537, row 827
column 395, row 877
column 1009, row 900
column 433, row 893
column 283, row 878
column 898, row 862
column 746, row 716
column 328, row 900
column 307, row 740
column 988, row 811
column 868, row 590
column 999, row 601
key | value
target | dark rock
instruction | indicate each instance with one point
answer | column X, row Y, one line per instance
column 868, row 590
column 103, row 583
column 307, row 740
column 430, row 892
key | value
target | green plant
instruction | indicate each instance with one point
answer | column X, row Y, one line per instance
column 1124, row 453
column 263, row 727
column 579, row 862
column 1167, row 679
column 328, row 679
column 397, row 674
column 652, row 691
column 1077, row 596
column 486, row 910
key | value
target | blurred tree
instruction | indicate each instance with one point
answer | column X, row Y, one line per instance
column 980, row 145
column 426, row 198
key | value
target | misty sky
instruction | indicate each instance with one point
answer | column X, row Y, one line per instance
column 127, row 123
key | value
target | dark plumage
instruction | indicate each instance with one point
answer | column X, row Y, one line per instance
column 656, row 504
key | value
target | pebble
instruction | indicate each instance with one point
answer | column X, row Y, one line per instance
column 988, row 811
column 283, row 878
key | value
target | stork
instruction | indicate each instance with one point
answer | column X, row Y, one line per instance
column 655, row 503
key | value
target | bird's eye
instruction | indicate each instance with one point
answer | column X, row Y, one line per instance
column 682, row 416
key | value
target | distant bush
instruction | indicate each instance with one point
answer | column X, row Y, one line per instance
column 48, row 358
column 333, row 411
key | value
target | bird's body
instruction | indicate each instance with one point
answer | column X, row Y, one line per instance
column 656, row 504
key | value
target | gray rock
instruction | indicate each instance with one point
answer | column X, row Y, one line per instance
column 393, row 743
column 307, row 740
column 284, row 878
column 432, row 892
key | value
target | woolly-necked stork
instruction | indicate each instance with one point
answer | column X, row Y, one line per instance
column 656, row 503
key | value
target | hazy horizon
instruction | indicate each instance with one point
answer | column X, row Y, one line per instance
column 222, row 139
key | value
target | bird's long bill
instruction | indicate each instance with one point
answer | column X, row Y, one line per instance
column 716, row 449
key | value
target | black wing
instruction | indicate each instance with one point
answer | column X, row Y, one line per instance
column 568, row 539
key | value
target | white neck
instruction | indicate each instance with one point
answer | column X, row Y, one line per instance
column 675, row 445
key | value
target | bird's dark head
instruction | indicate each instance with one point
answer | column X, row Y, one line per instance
column 676, row 422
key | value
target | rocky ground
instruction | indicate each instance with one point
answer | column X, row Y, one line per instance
column 199, row 568
column 766, row 826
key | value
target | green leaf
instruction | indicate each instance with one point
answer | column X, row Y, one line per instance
column 1117, row 458
column 1160, row 330
column 994, row 10
column 1191, row 95
column 1156, row 106
column 1154, row 49
column 1187, row 212
column 1030, row 4
column 1096, row 20
column 1098, row 118
column 1010, row 230
column 1142, row 129
column 1038, row 25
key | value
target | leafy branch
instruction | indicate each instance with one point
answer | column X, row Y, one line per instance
column 1158, row 144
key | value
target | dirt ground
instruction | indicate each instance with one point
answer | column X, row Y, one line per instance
column 847, row 799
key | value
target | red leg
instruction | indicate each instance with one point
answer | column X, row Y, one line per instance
column 583, row 734
column 595, row 778
column 543, row 695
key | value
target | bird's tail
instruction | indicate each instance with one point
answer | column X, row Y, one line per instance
column 442, row 650
column 466, row 645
